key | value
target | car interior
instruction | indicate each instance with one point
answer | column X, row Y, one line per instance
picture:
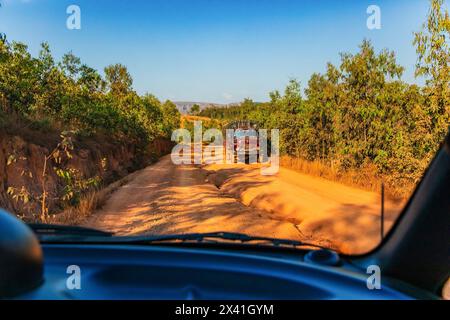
column 183, row 268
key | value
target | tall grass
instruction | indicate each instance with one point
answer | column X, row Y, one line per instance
column 365, row 178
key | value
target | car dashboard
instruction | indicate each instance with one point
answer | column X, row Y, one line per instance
column 192, row 273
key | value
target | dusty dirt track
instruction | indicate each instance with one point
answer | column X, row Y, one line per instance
column 169, row 199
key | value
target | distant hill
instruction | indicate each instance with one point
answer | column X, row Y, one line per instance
column 185, row 106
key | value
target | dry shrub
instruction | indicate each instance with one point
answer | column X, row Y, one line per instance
column 88, row 204
column 75, row 215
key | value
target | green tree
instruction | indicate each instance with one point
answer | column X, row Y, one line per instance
column 171, row 117
column 433, row 49
column 364, row 78
column 70, row 64
column 319, row 134
column 90, row 80
column 118, row 79
column 195, row 110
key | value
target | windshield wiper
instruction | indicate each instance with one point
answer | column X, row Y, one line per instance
column 61, row 230
column 207, row 237
column 87, row 235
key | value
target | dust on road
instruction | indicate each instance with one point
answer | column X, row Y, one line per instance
column 169, row 199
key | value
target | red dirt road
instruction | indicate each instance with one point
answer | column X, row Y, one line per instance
column 168, row 199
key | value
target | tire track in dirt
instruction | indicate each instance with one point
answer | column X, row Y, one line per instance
column 169, row 199
column 174, row 199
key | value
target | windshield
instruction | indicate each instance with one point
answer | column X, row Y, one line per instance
column 122, row 117
column 245, row 133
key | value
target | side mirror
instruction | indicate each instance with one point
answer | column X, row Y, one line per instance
column 21, row 259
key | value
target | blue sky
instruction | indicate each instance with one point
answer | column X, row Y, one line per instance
column 215, row 50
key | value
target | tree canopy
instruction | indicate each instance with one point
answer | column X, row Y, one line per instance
column 74, row 96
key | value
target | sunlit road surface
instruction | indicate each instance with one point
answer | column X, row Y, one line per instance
column 171, row 199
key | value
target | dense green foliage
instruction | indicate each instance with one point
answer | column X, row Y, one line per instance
column 195, row 110
column 69, row 95
column 360, row 113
